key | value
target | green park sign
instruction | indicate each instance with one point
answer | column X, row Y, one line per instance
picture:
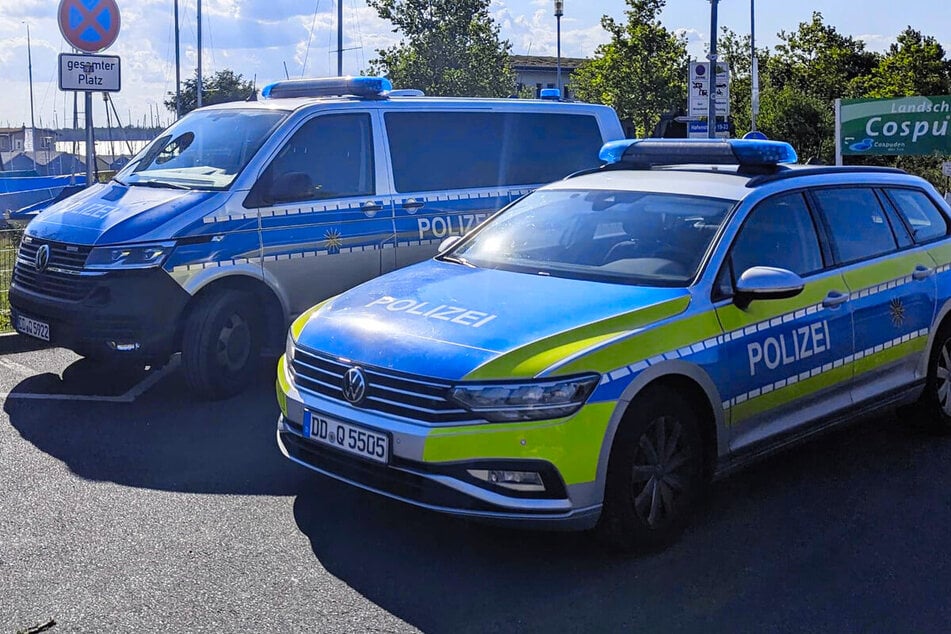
column 906, row 125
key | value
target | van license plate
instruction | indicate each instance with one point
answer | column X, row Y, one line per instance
column 32, row 327
column 360, row 441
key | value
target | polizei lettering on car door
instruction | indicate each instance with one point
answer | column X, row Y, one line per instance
column 443, row 226
column 789, row 347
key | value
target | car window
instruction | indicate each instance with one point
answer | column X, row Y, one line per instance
column 858, row 226
column 330, row 156
column 628, row 237
column 923, row 217
column 779, row 232
column 434, row 151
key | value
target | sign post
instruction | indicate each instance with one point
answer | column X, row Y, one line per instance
column 89, row 26
column 698, row 98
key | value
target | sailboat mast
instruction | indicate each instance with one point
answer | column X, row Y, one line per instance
column 29, row 62
column 339, row 38
column 198, row 85
column 178, row 68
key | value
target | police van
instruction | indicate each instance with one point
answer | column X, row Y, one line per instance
column 240, row 216
column 596, row 352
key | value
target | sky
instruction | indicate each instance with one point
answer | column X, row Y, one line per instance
column 260, row 38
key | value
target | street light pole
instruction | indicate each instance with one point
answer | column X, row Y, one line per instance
column 559, row 11
column 712, row 90
column 754, row 69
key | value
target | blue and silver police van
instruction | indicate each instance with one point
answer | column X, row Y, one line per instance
column 242, row 215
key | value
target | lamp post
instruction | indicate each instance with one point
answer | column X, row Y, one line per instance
column 754, row 69
column 559, row 11
column 712, row 104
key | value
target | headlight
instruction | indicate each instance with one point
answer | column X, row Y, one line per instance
column 538, row 400
column 135, row 256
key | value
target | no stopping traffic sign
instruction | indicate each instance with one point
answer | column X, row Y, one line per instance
column 89, row 25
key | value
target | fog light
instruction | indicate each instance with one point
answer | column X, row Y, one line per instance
column 515, row 480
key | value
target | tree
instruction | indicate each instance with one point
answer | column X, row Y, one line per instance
column 223, row 86
column 450, row 48
column 804, row 120
column 641, row 72
column 819, row 61
column 914, row 65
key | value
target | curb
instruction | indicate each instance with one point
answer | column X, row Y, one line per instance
column 14, row 342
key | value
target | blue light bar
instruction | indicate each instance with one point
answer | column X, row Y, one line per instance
column 550, row 93
column 656, row 152
column 368, row 87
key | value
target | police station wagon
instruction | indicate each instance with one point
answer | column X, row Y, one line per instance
column 595, row 353
column 242, row 215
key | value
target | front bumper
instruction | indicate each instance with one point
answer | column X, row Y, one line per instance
column 429, row 465
column 417, row 484
column 121, row 308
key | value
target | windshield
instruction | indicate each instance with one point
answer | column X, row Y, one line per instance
column 203, row 150
column 626, row 237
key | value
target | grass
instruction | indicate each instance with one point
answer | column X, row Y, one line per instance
column 9, row 240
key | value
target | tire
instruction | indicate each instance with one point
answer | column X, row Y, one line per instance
column 936, row 399
column 221, row 344
column 655, row 473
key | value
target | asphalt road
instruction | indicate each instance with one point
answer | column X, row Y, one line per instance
column 133, row 507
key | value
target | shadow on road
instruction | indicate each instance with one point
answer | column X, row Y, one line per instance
column 848, row 533
column 167, row 439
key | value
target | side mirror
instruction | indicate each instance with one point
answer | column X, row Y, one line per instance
column 766, row 282
column 285, row 188
column 446, row 244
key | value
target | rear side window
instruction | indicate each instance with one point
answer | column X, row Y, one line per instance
column 858, row 226
column 447, row 150
column 924, row 219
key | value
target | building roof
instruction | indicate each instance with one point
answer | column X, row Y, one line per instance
column 541, row 62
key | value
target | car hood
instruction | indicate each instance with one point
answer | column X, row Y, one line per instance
column 449, row 321
column 113, row 213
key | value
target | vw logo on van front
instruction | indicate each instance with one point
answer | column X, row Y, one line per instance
column 354, row 385
column 42, row 258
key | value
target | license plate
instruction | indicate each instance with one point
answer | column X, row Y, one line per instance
column 32, row 327
column 353, row 439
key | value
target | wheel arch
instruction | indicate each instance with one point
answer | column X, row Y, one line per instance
column 703, row 395
column 273, row 305
column 942, row 320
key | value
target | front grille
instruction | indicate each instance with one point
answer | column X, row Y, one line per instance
column 417, row 398
column 61, row 279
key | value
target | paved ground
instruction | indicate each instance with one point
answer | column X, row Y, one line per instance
column 131, row 507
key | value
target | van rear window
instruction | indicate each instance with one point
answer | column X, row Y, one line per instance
column 434, row 151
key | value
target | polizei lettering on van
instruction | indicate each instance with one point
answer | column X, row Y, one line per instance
column 789, row 347
column 442, row 312
column 444, row 226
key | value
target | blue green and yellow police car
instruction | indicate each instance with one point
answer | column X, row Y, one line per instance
column 599, row 350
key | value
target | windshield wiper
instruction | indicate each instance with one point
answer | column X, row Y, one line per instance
column 456, row 259
column 119, row 181
column 161, row 184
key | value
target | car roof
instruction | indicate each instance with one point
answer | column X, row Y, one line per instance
column 730, row 182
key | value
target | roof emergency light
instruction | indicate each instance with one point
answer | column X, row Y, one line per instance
column 550, row 93
column 646, row 153
column 367, row 87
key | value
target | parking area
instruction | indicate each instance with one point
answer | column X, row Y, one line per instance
column 128, row 505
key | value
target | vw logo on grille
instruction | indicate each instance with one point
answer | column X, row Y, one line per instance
column 354, row 385
column 42, row 258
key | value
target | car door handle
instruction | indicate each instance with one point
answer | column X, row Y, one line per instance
column 412, row 203
column 922, row 272
column 835, row 299
column 371, row 206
